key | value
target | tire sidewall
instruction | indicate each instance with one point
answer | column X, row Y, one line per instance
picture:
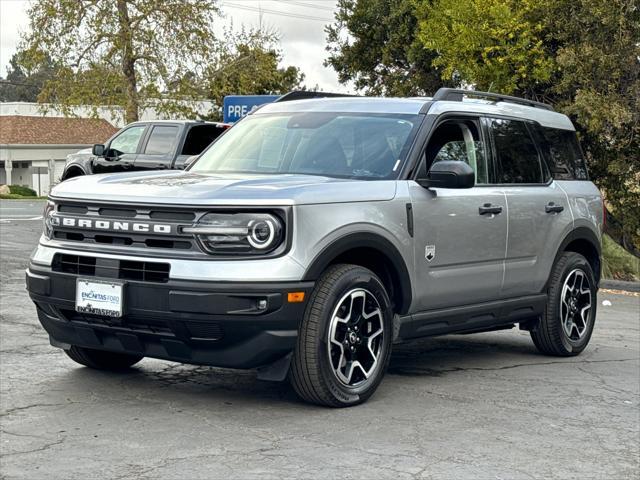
column 580, row 263
column 357, row 278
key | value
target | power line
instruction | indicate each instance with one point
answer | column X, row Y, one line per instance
column 303, row 4
column 277, row 12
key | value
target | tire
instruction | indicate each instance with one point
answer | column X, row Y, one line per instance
column 102, row 360
column 571, row 273
column 348, row 301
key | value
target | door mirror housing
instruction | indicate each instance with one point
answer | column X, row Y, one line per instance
column 449, row 174
column 98, row 150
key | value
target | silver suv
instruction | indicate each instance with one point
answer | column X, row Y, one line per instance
column 317, row 233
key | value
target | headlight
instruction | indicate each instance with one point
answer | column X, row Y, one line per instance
column 47, row 215
column 238, row 233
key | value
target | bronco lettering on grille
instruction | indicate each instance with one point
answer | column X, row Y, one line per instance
column 111, row 225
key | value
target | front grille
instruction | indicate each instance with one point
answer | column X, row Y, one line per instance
column 74, row 264
column 207, row 331
column 144, row 271
column 132, row 322
column 109, row 239
column 147, row 324
column 155, row 272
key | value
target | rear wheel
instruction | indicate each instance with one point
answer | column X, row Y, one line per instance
column 567, row 324
column 101, row 359
column 344, row 343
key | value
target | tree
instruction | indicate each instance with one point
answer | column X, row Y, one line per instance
column 495, row 45
column 248, row 64
column 581, row 55
column 373, row 44
column 120, row 52
column 24, row 85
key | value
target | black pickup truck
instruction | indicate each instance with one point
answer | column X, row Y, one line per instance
column 152, row 145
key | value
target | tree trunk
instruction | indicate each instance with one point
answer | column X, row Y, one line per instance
column 128, row 63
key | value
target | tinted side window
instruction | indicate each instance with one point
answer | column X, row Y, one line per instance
column 565, row 156
column 518, row 159
column 199, row 138
column 161, row 140
column 127, row 141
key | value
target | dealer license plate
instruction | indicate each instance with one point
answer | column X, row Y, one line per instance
column 99, row 297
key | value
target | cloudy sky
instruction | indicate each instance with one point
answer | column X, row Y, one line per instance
column 300, row 24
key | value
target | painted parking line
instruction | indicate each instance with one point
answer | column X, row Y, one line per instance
column 21, row 218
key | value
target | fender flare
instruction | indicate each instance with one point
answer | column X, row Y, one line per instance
column 586, row 234
column 365, row 240
column 74, row 166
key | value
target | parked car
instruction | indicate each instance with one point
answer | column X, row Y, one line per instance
column 318, row 233
column 155, row 145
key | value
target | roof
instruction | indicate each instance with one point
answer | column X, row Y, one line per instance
column 179, row 122
column 32, row 130
column 420, row 105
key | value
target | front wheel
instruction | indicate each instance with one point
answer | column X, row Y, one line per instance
column 344, row 342
column 570, row 314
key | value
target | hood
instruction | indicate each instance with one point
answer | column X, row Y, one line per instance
column 185, row 188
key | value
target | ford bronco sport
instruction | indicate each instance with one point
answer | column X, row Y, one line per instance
column 317, row 233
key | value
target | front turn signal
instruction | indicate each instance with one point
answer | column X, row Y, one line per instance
column 295, row 297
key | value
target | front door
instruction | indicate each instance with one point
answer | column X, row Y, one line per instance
column 121, row 151
column 459, row 234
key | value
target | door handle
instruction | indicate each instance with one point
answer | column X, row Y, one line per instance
column 487, row 208
column 553, row 208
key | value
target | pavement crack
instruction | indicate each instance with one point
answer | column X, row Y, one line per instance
column 404, row 370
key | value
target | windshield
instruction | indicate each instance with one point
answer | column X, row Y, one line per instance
column 363, row 146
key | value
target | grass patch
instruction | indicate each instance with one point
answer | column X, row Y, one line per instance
column 15, row 196
column 22, row 191
column 617, row 263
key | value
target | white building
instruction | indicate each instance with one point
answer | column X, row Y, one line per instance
column 33, row 149
column 35, row 139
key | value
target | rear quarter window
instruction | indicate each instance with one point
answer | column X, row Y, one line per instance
column 564, row 155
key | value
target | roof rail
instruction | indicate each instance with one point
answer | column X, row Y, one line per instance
column 456, row 95
column 306, row 94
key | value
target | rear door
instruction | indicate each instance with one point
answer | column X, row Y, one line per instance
column 459, row 234
column 159, row 148
column 537, row 208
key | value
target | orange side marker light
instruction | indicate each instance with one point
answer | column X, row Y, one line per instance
column 295, row 297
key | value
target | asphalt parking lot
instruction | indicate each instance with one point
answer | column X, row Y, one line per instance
column 479, row 406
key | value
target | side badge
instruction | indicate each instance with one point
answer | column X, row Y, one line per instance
column 430, row 252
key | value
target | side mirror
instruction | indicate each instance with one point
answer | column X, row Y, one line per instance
column 98, row 150
column 449, row 174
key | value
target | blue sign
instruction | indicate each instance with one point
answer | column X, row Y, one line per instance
column 237, row 106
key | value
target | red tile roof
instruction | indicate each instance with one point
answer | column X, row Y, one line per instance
column 26, row 130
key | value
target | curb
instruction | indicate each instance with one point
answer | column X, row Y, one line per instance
column 620, row 285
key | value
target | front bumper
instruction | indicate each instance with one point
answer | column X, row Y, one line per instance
column 205, row 323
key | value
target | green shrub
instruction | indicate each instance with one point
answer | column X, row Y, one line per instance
column 617, row 263
column 20, row 190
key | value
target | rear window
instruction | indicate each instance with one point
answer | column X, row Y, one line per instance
column 565, row 157
column 517, row 154
column 200, row 137
column 162, row 140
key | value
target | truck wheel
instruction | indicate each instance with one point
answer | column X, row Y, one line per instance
column 570, row 314
column 102, row 360
column 344, row 342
